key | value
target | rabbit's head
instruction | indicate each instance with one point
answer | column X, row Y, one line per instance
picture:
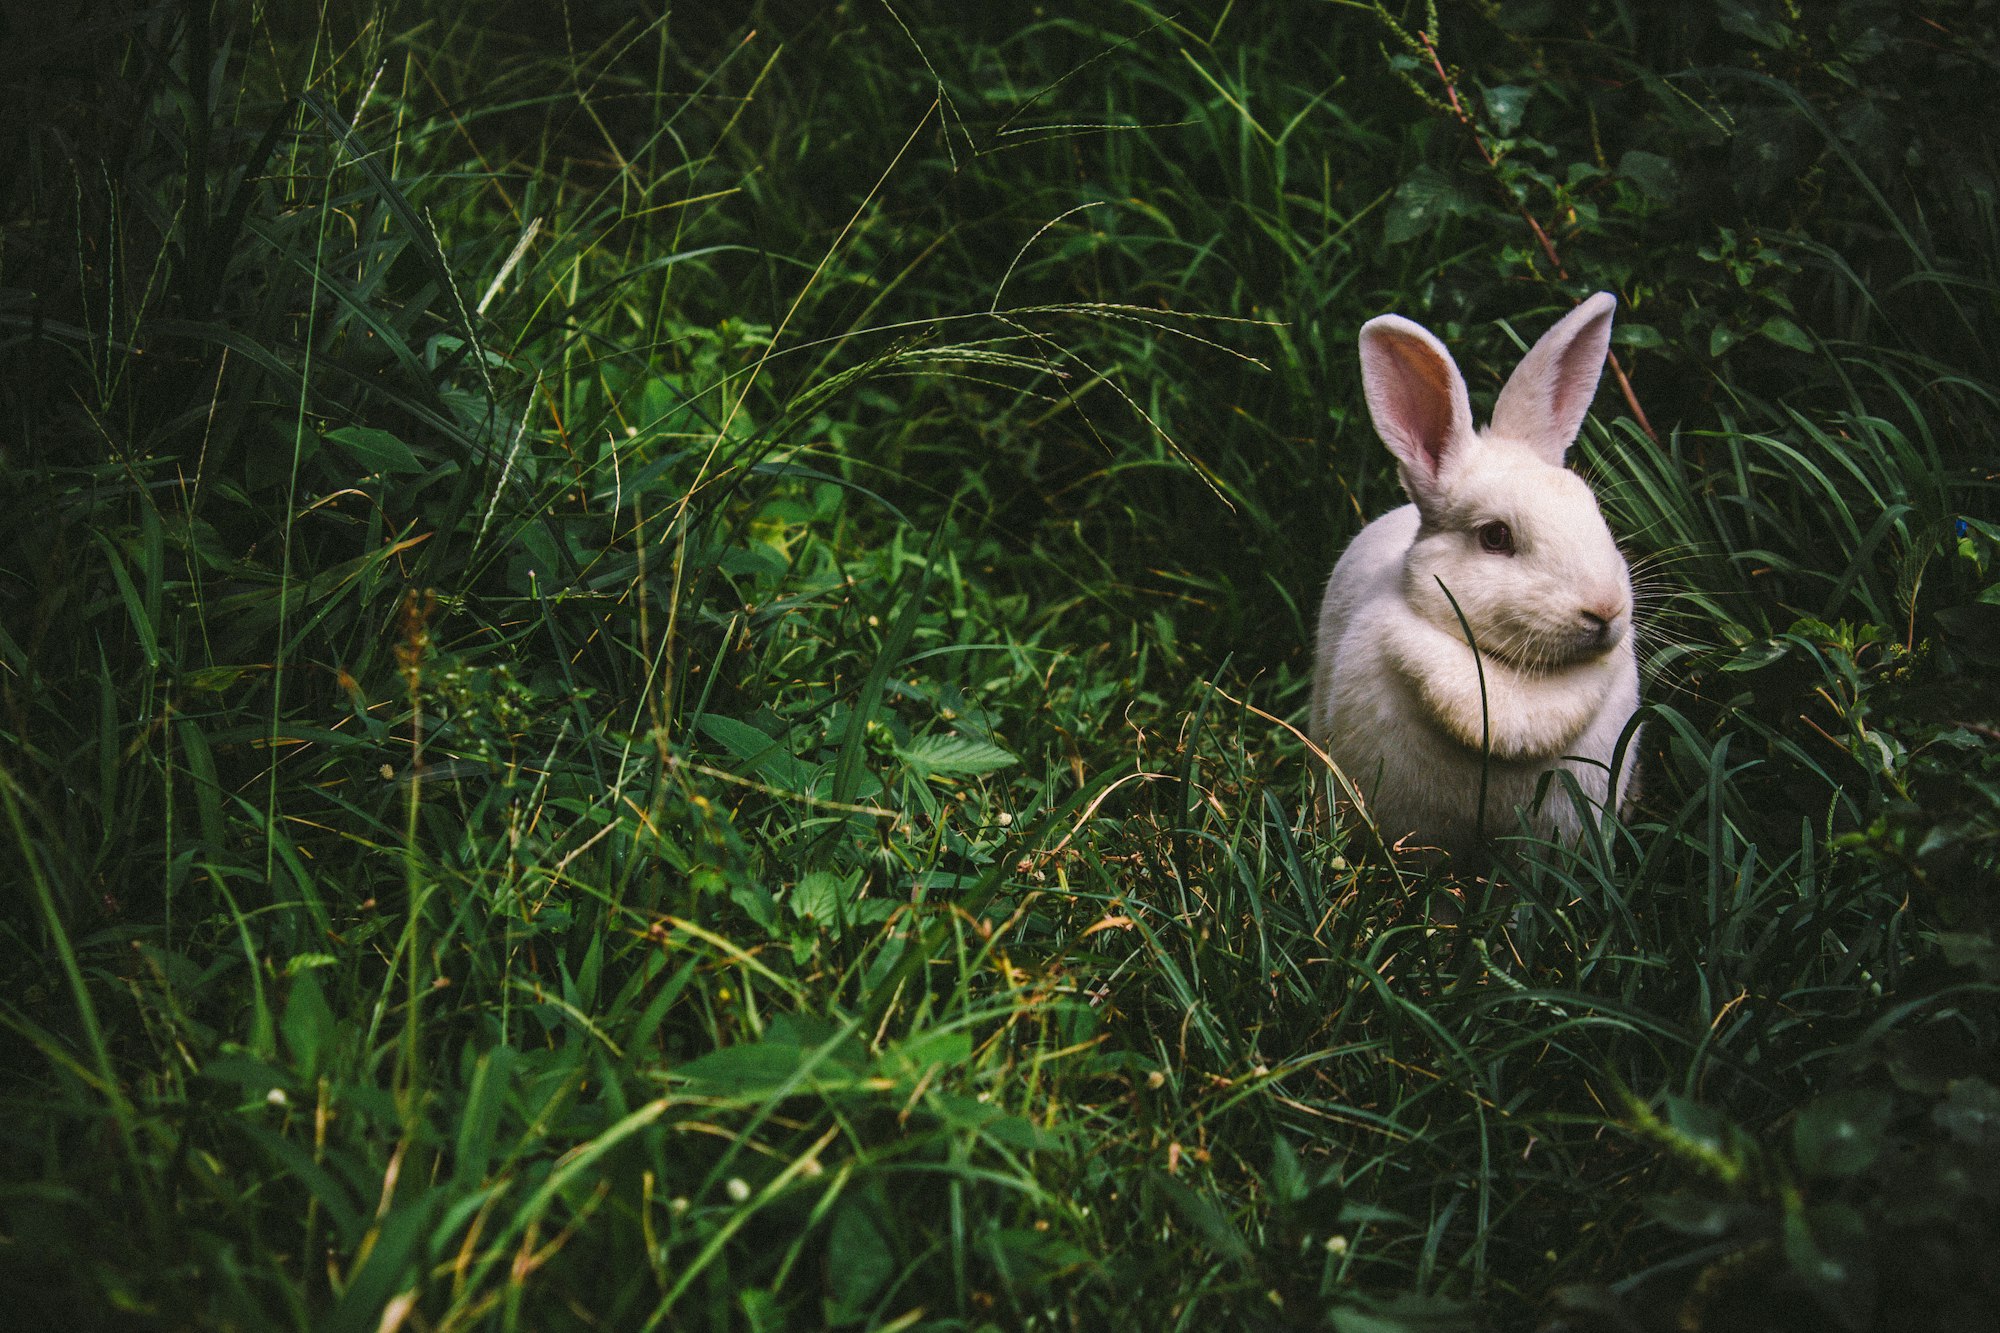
column 1515, row 536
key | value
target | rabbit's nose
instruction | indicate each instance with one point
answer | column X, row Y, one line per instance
column 1598, row 630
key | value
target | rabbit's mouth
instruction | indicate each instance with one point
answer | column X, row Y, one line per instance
column 1544, row 650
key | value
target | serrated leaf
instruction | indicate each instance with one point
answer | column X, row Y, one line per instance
column 756, row 901
column 820, row 895
column 1505, row 105
column 954, row 754
column 377, row 450
column 1420, row 203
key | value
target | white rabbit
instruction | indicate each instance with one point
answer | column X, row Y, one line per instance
column 1518, row 540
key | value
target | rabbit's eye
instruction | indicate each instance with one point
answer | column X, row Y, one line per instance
column 1496, row 537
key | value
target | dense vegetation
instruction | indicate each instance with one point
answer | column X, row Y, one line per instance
column 644, row 667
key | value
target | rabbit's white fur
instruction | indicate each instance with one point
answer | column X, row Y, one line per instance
column 1396, row 692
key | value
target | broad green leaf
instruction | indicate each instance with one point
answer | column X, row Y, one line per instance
column 377, row 450
column 1785, row 333
column 1201, row 1215
column 1643, row 336
column 255, row 1077
column 1287, row 1176
column 859, row 1260
column 308, row 1023
column 954, row 754
column 821, row 895
column 764, row 756
column 756, row 900
column 924, row 1051
column 739, row 738
column 1758, row 20
column 1841, row 1134
column 479, row 1121
column 1027, row 1253
column 1827, row 1247
column 1505, row 105
column 1017, row 1131
column 1757, row 654
column 1701, row 1127
column 1420, row 203
column 750, row 1067
column 397, row 1250
column 1653, row 174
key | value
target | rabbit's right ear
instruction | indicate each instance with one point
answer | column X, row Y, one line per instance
column 1544, row 401
column 1417, row 398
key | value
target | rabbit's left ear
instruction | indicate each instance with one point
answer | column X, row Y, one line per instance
column 1545, row 399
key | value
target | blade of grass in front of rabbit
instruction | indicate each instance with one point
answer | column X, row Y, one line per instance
column 1485, row 720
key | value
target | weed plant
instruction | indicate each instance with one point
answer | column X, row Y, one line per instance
column 645, row 662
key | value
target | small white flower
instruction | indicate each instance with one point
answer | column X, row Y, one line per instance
column 738, row 1189
column 1336, row 1244
column 277, row 1097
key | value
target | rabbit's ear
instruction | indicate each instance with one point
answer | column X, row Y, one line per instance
column 1544, row 401
column 1417, row 398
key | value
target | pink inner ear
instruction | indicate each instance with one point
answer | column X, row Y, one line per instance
column 1577, row 372
column 1544, row 401
column 1410, row 394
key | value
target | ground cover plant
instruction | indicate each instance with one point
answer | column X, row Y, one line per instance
column 648, row 668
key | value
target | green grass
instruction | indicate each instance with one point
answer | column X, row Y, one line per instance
column 643, row 670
